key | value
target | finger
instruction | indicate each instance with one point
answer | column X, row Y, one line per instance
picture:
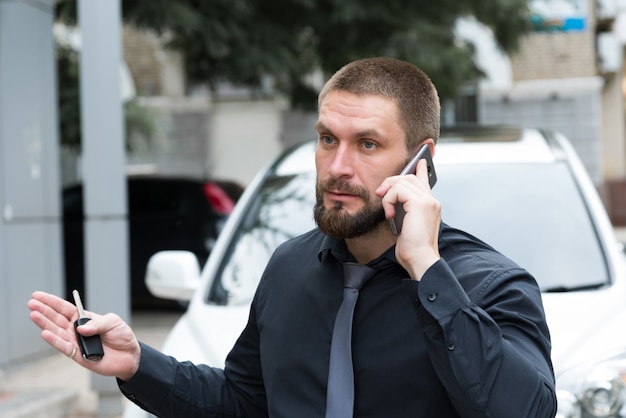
column 422, row 171
column 98, row 324
column 62, row 345
column 50, row 314
column 388, row 201
column 61, row 339
column 64, row 332
column 55, row 303
column 384, row 187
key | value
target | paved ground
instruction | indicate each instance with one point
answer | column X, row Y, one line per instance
column 54, row 387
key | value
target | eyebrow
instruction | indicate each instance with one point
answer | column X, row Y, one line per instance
column 367, row 133
column 319, row 126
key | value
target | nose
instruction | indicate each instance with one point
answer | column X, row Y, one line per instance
column 342, row 163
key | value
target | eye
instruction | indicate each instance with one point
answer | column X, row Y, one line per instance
column 328, row 140
column 369, row 145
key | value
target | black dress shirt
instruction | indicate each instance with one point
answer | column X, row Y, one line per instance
column 469, row 340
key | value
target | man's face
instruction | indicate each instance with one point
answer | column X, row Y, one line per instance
column 360, row 143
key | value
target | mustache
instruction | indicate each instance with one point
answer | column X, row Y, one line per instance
column 342, row 186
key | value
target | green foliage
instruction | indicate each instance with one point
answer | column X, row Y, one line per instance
column 243, row 41
column 69, row 95
column 139, row 121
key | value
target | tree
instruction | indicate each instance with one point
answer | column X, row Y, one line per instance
column 139, row 121
column 244, row 41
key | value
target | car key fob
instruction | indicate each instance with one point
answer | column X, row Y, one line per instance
column 90, row 347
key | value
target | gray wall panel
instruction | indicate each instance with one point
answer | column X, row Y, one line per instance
column 30, row 229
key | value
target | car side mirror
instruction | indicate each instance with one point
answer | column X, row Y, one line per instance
column 173, row 275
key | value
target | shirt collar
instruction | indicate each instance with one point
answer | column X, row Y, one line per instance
column 336, row 248
column 333, row 248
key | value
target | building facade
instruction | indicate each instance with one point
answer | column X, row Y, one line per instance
column 568, row 76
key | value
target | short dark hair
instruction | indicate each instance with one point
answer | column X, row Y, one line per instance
column 408, row 86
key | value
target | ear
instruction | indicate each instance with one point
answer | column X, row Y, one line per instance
column 431, row 145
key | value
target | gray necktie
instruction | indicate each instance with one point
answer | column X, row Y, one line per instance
column 340, row 392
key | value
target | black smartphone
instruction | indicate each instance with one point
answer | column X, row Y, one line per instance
column 423, row 153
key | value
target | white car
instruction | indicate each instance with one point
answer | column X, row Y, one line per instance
column 525, row 192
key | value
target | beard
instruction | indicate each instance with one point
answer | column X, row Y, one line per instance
column 336, row 221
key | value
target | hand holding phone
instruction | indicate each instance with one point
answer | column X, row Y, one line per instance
column 423, row 153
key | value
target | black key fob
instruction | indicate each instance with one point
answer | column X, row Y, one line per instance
column 90, row 347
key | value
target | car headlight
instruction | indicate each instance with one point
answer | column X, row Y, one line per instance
column 593, row 391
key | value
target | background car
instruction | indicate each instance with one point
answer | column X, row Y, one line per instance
column 525, row 192
column 164, row 213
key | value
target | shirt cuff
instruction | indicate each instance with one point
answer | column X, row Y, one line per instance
column 153, row 378
column 438, row 294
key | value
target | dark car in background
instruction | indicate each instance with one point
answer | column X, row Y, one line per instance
column 164, row 213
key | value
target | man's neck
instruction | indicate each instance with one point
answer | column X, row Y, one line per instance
column 370, row 246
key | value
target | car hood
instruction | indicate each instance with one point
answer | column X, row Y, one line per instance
column 206, row 333
column 582, row 322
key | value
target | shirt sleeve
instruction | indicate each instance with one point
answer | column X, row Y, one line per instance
column 166, row 387
column 491, row 350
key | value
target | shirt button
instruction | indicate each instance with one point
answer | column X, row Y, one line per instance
column 451, row 347
column 431, row 297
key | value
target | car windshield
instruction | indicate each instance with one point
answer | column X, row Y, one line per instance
column 282, row 209
column 535, row 215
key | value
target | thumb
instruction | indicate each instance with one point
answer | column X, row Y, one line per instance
column 90, row 326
